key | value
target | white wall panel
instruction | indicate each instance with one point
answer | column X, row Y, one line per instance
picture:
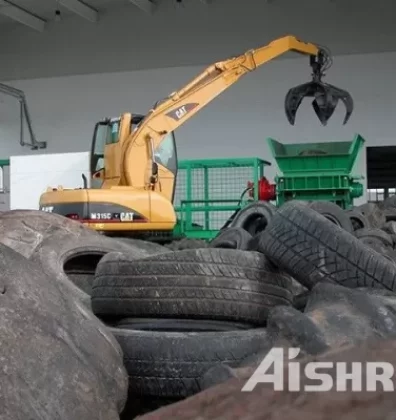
column 31, row 175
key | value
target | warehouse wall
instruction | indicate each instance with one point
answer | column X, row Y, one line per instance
column 65, row 109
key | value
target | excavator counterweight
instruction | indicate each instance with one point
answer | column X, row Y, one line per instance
column 326, row 96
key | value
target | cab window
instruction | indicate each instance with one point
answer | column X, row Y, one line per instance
column 112, row 136
column 165, row 153
column 105, row 134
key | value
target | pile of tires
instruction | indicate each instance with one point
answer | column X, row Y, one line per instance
column 312, row 248
column 119, row 327
column 181, row 315
column 178, row 314
column 374, row 224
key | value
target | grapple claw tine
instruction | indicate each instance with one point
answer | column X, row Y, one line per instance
column 324, row 111
column 293, row 100
column 291, row 106
column 347, row 100
column 325, row 103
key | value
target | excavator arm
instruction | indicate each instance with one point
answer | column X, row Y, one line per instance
column 180, row 106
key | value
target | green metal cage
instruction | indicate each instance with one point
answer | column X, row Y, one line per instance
column 210, row 191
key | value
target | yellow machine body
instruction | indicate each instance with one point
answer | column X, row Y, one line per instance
column 134, row 157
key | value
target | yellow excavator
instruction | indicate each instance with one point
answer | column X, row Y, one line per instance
column 134, row 157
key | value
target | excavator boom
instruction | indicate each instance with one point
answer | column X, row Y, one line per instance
column 218, row 77
column 175, row 110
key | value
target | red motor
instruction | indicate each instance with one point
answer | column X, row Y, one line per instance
column 266, row 191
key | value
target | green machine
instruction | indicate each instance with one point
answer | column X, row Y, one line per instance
column 210, row 191
column 317, row 171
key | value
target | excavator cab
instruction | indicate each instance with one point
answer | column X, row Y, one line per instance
column 326, row 96
column 102, row 136
column 106, row 140
column 108, row 152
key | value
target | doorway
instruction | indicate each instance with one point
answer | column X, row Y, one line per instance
column 381, row 173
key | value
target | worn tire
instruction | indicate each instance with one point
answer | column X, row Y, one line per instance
column 24, row 230
column 300, row 300
column 186, row 243
column 165, row 364
column 359, row 220
column 389, row 203
column 150, row 248
column 390, row 227
column 216, row 375
column 350, row 316
column 312, row 249
column 376, row 235
column 387, row 252
column 390, row 215
column 288, row 325
column 51, row 346
column 232, row 238
column 216, row 284
column 334, row 213
column 74, row 258
column 373, row 214
column 254, row 217
column 178, row 325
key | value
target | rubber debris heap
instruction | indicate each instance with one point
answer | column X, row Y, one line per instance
column 100, row 328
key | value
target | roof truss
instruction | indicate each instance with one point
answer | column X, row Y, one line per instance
column 22, row 16
column 147, row 6
column 81, row 9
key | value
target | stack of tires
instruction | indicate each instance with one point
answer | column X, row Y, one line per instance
column 374, row 225
column 311, row 248
column 180, row 313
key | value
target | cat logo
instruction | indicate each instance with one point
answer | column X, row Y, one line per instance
column 179, row 113
column 127, row 217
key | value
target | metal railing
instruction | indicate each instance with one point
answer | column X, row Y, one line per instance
column 376, row 195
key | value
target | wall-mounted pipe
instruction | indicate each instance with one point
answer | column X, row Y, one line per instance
column 24, row 116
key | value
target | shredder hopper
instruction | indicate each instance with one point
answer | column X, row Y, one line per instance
column 318, row 171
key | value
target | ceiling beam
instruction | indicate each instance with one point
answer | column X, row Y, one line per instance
column 22, row 16
column 147, row 6
column 81, row 9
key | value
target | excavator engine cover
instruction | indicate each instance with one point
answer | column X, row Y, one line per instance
column 326, row 96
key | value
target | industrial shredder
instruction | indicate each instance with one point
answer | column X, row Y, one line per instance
column 317, row 171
